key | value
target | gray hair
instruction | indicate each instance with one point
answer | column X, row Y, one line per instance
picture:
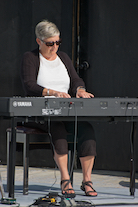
column 46, row 29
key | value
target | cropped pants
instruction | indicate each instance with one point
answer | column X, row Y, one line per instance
column 59, row 130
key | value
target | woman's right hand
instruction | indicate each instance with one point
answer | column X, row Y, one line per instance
column 55, row 93
column 61, row 94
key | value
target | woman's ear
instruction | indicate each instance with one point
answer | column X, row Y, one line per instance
column 38, row 41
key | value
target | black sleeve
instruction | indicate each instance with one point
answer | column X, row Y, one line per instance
column 29, row 71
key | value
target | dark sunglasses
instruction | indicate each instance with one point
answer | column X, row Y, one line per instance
column 50, row 44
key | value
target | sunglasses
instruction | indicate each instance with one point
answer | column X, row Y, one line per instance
column 50, row 44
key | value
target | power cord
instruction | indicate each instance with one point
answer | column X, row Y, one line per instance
column 50, row 137
column 75, row 137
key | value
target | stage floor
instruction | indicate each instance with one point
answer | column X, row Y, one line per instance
column 112, row 186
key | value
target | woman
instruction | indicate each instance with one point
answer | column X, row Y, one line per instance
column 49, row 72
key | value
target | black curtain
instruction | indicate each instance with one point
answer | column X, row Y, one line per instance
column 108, row 42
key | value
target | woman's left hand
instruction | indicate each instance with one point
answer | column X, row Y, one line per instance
column 83, row 94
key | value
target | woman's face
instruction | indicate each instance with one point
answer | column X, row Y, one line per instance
column 49, row 52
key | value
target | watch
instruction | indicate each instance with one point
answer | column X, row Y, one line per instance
column 81, row 87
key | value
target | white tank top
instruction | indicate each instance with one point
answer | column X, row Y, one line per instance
column 53, row 74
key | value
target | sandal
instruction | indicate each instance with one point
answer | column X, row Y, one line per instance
column 88, row 183
column 66, row 194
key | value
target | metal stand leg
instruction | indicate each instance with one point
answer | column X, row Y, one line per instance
column 132, row 160
column 25, row 165
column 12, row 158
column 8, row 148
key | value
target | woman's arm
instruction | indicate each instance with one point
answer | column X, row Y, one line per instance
column 29, row 71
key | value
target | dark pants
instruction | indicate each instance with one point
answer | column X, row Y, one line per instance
column 59, row 131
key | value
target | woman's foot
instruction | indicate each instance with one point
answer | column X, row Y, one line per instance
column 67, row 189
column 89, row 190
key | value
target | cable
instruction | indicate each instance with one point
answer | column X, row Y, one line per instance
column 75, row 139
column 131, row 142
column 116, row 204
column 50, row 137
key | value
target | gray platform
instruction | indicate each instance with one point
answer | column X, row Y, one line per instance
column 112, row 187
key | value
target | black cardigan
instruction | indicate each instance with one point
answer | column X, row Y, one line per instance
column 29, row 71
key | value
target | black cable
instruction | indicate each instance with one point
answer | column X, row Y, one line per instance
column 116, row 204
column 131, row 141
column 131, row 128
column 50, row 137
column 75, row 141
column 131, row 131
column 75, row 138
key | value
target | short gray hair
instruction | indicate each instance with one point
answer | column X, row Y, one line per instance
column 46, row 29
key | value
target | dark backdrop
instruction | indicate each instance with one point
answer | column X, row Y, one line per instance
column 108, row 42
column 108, row 39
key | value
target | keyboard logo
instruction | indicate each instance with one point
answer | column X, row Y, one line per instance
column 22, row 104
